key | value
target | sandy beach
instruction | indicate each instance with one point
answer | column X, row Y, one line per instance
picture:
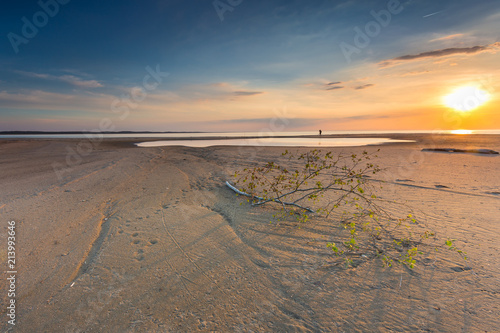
column 119, row 238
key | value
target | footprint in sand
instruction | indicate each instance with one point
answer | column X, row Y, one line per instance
column 139, row 255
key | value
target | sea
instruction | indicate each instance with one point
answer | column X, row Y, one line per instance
column 282, row 139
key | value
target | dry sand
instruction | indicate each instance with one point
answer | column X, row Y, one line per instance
column 149, row 239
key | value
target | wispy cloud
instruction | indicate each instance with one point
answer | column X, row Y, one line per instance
column 364, row 117
column 43, row 100
column 333, row 85
column 448, row 37
column 337, row 86
column 414, row 73
column 441, row 53
column 79, row 82
column 247, row 93
column 364, row 86
column 304, row 122
column 432, row 14
column 290, row 122
column 71, row 79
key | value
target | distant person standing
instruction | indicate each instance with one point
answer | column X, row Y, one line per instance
column 320, row 132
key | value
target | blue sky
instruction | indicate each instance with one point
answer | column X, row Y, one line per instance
column 264, row 60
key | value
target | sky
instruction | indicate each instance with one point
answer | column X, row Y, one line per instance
column 241, row 65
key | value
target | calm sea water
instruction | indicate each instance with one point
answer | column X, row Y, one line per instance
column 270, row 142
column 184, row 136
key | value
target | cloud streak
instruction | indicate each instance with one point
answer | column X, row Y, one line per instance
column 43, row 100
column 71, row 79
column 333, row 85
column 364, row 86
column 448, row 37
column 432, row 14
column 301, row 122
column 79, row 82
column 247, row 93
column 440, row 53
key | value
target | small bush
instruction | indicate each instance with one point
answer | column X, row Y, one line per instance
column 340, row 186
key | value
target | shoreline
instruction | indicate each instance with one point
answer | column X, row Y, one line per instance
column 418, row 137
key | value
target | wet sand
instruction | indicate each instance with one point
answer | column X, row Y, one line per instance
column 116, row 238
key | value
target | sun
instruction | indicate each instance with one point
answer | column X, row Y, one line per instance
column 466, row 98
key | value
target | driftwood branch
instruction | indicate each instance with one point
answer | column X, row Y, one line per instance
column 263, row 200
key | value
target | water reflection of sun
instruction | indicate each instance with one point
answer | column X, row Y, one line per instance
column 461, row 132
